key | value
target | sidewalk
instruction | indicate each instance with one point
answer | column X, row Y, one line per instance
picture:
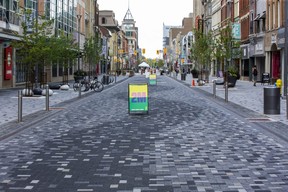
column 9, row 101
column 243, row 94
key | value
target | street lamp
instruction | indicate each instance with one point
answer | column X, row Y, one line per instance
column 79, row 19
column 286, row 58
column 230, row 47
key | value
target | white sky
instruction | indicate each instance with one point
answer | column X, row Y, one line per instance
column 150, row 16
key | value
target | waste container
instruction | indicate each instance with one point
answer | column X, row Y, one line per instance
column 105, row 79
column 183, row 77
column 271, row 100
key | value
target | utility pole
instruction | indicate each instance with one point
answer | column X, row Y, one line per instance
column 79, row 20
column 96, row 27
column 286, row 57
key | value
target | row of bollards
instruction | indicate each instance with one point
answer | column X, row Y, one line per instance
column 20, row 103
column 226, row 90
column 272, row 95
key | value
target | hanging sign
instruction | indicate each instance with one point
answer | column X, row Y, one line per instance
column 138, row 98
column 153, row 79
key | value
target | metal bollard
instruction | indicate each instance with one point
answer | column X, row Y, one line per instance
column 79, row 88
column 226, row 91
column 47, row 97
column 19, row 106
column 214, row 89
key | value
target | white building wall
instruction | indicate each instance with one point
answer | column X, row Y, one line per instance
column 216, row 14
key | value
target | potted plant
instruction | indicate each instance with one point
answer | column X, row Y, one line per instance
column 233, row 76
column 131, row 73
column 118, row 72
column 195, row 73
column 79, row 74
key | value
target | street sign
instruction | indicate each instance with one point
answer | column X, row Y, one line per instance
column 236, row 31
column 138, row 98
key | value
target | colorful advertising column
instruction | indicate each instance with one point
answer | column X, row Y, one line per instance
column 138, row 98
column 153, row 79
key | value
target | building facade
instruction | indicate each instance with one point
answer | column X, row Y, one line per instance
column 131, row 33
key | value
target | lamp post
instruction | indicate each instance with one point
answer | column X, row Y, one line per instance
column 230, row 47
column 286, row 58
column 79, row 19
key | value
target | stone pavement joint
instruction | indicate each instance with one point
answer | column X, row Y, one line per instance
column 187, row 142
column 34, row 107
column 243, row 94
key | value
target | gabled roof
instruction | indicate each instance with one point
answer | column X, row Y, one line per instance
column 128, row 15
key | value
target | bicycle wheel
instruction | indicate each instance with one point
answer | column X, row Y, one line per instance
column 76, row 86
column 98, row 86
column 84, row 87
column 111, row 79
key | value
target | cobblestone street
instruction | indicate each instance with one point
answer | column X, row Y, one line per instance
column 187, row 142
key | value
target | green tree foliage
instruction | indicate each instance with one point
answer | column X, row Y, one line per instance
column 92, row 50
column 38, row 47
column 225, row 47
column 201, row 51
column 63, row 49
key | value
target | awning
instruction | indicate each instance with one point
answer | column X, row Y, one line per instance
column 263, row 16
column 257, row 17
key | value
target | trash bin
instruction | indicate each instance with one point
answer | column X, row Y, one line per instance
column 183, row 76
column 271, row 100
column 105, row 80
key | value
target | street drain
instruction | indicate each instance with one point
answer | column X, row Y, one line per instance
column 56, row 108
column 259, row 119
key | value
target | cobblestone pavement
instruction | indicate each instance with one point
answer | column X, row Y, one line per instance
column 9, row 101
column 187, row 142
column 243, row 94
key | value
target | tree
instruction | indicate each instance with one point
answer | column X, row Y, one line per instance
column 34, row 47
column 160, row 63
column 64, row 51
column 39, row 47
column 92, row 50
column 226, row 48
column 201, row 52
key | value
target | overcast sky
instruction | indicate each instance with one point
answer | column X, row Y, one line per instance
column 150, row 16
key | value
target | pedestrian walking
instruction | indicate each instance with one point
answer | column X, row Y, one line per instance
column 177, row 71
column 254, row 73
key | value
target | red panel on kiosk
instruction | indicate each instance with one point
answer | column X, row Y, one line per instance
column 8, row 63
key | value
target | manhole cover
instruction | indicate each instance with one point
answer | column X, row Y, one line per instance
column 260, row 119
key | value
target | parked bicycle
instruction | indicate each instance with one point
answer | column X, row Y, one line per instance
column 86, row 85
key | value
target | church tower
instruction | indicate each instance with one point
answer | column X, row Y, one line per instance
column 131, row 33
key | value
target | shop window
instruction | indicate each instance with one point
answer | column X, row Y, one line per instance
column 21, row 69
column 54, row 70
column 263, row 24
column 60, row 71
column 103, row 20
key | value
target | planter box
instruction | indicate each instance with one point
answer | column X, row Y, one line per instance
column 232, row 81
column 78, row 78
